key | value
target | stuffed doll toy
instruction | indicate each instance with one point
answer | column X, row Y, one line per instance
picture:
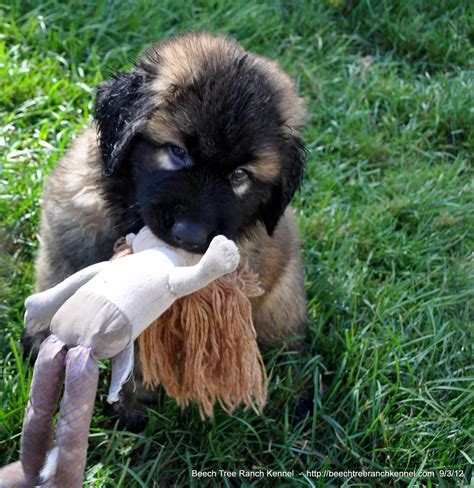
column 98, row 313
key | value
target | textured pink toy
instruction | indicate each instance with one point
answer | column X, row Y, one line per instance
column 55, row 366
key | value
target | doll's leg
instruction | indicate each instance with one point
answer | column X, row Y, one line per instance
column 41, row 307
column 221, row 258
column 13, row 476
column 38, row 425
column 75, row 414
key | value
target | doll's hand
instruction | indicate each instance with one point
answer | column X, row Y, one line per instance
column 221, row 257
column 39, row 311
column 34, row 324
column 42, row 306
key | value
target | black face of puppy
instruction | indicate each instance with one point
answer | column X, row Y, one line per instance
column 187, row 203
column 184, row 206
column 202, row 144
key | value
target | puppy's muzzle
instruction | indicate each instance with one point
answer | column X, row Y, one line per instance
column 191, row 235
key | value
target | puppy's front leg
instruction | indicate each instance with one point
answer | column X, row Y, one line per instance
column 221, row 257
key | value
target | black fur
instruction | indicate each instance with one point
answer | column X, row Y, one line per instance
column 120, row 111
column 289, row 181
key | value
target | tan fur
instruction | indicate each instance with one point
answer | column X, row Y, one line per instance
column 71, row 193
column 267, row 166
column 291, row 106
column 281, row 312
column 78, row 185
column 161, row 130
column 181, row 58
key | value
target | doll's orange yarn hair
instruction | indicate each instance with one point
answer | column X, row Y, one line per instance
column 204, row 348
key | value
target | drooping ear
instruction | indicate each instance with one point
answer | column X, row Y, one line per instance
column 292, row 172
column 121, row 109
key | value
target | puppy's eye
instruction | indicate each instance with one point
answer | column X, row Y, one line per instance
column 178, row 151
column 239, row 176
column 178, row 156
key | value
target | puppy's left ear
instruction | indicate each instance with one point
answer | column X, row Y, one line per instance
column 292, row 172
column 121, row 109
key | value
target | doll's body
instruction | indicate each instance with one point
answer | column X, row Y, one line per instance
column 107, row 305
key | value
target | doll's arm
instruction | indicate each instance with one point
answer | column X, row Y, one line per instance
column 221, row 257
column 41, row 307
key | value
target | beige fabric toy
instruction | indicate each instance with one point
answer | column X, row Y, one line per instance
column 97, row 313
column 112, row 302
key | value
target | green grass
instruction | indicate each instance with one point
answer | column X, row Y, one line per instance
column 386, row 214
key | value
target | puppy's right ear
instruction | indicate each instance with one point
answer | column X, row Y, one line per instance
column 121, row 109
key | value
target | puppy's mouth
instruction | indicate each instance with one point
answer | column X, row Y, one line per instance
column 184, row 233
column 189, row 222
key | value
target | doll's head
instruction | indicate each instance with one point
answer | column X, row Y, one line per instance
column 145, row 239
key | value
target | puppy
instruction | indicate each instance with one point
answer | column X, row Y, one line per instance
column 199, row 138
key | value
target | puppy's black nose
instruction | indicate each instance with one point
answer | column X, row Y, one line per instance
column 190, row 235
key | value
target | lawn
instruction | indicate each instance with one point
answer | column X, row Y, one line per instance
column 385, row 213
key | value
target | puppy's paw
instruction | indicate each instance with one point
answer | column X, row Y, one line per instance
column 134, row 419
column 304, row 406
column 222, row 256
column 131, row 410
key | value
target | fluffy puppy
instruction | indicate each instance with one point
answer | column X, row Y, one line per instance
column 199, row 138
